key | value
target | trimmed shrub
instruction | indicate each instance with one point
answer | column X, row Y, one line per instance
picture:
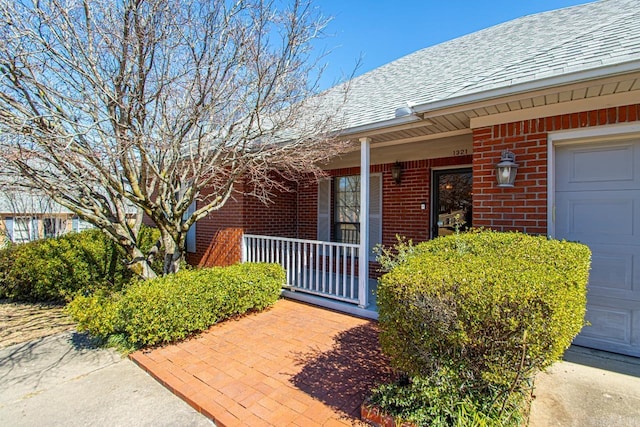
column 172, row 307
column 492, row 308
column 96, row 313
column 443, row 400
column 56, row 269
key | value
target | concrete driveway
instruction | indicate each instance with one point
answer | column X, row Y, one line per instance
column 588, row 388
column 62, row 380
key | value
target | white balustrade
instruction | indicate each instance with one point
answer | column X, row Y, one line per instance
column 326, row 269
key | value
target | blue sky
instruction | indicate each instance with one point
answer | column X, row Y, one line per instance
column 380, row 31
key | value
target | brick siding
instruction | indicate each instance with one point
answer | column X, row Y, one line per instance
column 524, row 207
column 401, row 210
column 219, row 235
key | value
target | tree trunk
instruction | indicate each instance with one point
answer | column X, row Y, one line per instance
column 173, row 254
column 140, row 265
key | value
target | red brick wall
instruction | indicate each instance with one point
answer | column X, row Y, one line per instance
column 278, row 218
column 401, row 212
column 524, row 207
column 307, row 205
column 219, row 235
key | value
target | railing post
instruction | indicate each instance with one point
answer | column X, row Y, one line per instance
column 363, row 261
column 244, row 249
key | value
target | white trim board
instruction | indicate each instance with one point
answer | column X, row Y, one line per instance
column 456, row 166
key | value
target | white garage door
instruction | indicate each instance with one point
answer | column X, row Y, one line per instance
column 598, row 203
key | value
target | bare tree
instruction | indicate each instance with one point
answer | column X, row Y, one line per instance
column 117, row 109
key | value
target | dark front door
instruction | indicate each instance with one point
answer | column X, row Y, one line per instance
column 451, row 201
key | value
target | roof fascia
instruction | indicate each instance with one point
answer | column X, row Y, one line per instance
column 519, row 88
column 430, row 109
column 407, row 122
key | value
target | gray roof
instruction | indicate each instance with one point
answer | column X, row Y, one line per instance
column 528, row 49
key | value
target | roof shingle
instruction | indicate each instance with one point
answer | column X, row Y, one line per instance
column 527, row 49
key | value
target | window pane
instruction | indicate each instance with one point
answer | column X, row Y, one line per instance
column 453, row 198
column 21, row 230
column 53, row 227
column 347, row 209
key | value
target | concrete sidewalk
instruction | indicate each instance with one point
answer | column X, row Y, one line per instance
column 588, row 388
column 62, row 380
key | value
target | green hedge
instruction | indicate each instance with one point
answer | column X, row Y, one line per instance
column 441, row 400
column 492, row 308
column 172, row 307
column 55, row 269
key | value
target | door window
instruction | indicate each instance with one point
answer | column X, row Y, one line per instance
column 451, row 201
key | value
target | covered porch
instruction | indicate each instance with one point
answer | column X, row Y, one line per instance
column 323, row 231
column 330, row 274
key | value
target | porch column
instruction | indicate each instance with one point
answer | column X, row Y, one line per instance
column 363, row 261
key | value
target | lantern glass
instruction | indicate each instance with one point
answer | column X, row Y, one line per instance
column 396, row 172
column 506, row 170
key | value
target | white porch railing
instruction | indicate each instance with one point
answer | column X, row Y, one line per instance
column 326, row 269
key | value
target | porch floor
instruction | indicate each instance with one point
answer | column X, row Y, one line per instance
column 294, row 364
column 318, row 299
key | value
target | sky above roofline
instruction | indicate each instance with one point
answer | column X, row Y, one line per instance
column 369, row 34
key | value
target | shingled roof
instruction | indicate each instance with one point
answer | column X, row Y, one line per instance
column 533, row 49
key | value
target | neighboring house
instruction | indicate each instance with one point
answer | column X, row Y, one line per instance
column 560, row 90
column 25, row 217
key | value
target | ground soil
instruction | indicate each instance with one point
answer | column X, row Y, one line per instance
column 21, row 322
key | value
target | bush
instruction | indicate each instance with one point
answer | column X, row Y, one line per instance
column 96, row 313
column 442, row 400
column 56, row 269
column 172, row 307
column 494, row 308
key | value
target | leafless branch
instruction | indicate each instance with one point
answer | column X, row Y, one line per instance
column 119, row 109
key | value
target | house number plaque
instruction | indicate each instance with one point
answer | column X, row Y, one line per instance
column 461, row 152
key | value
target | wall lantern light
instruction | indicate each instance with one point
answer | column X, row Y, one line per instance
column 396, row 172
column 506, row 169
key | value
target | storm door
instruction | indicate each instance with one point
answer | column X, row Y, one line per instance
column 451, row 201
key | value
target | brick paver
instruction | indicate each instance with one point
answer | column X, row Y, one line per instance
column 294, row 364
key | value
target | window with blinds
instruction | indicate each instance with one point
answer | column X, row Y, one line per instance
column 341, row 195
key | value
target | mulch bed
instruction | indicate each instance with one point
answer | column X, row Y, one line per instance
column 22, row 322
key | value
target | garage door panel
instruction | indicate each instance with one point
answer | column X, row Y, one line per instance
column 598, row 166
column 611, row 329
column 598, row 216
column 615, row 268
column 608, row 324
column 598, row 212
column 597, row 202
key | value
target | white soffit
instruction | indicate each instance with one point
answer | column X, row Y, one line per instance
column 558, row 108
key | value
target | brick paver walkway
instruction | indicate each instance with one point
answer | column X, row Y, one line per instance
column 293, row 364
